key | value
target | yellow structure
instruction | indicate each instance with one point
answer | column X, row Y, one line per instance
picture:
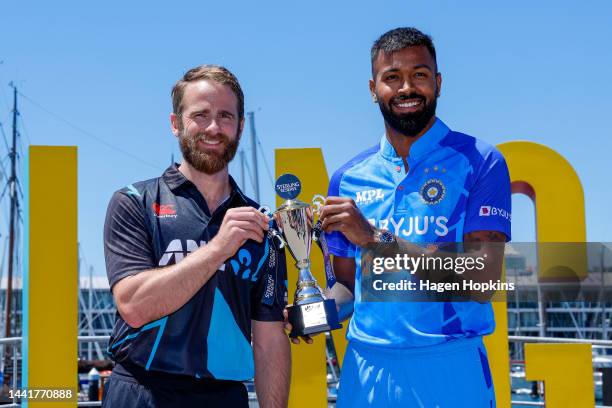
column 555, row 189
column 566, row 370
column 51, row 286
column 50, row 332
column 308, row 368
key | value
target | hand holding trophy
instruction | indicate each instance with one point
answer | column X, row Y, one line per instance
column 311, row 312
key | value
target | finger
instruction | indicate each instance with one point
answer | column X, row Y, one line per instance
column 248, row 228
column 294, row 340
column 336, row 200
column 331, row 209
column 337, row 226
column 252, row 215
column 307, row 339
column 337, row 222
column 257, row 237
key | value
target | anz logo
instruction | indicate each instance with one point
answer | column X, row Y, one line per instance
column 175, row 252
column 369, row 196
column 241, row 264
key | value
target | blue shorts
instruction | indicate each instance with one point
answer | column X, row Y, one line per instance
column 451, row 375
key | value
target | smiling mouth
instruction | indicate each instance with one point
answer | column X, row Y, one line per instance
column 408, row 104
column 210, row 142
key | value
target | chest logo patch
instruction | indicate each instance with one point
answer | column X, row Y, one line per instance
column 164, row 210
column 432, row 191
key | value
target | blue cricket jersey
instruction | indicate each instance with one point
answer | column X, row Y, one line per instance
column 455, row 184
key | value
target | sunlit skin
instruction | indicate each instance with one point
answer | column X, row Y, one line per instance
column 399, row 74
column 210, row 109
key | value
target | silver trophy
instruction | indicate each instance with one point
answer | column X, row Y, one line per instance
column 311, row 311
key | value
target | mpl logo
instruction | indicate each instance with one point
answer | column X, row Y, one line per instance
column 369, row 196
column 490, row 211
column 164, row 210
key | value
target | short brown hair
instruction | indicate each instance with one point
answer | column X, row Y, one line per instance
column 215, row 73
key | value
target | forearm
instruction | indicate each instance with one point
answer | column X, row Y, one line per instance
column 152, row 294
column 272, row 366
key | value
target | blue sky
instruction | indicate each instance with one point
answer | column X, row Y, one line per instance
column 519, row 70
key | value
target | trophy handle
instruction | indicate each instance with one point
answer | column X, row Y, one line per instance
column 275, row 234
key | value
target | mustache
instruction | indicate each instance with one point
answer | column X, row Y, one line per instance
column 412, row 95
column 219, row 136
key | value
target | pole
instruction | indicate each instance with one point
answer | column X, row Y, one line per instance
column 254, row 144
column 13, row 193
column 242, row 166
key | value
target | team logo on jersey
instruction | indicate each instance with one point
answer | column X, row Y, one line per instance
column 369, row 196
column 490, row 211
column 433, row 191
column 164, row 210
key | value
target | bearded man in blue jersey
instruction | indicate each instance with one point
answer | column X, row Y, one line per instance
column 422, row 183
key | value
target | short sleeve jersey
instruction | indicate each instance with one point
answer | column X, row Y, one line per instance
column 156, row 223
column 455, row 184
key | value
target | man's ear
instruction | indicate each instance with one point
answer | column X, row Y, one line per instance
column 373, row 91
column 438, row 83
column 174, row 124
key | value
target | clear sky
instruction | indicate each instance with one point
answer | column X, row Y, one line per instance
column 537, row 71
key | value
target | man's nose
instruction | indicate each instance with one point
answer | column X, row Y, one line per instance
column 407, row 87
column 213, row 126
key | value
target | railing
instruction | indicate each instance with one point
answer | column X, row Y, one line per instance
column 15, row 342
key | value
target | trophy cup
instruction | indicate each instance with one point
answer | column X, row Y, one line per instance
column 311, row 311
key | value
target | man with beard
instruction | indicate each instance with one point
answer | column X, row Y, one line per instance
column 193, row 273
column 431, row 185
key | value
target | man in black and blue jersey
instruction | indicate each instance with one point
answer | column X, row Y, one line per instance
column 194, row 275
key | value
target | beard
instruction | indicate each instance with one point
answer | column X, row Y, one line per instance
column 208, row 162
column 408, row 124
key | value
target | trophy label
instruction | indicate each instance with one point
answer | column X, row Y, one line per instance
column 314, row 314
column 288, row 186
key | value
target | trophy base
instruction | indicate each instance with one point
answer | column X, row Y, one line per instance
column 313, row 318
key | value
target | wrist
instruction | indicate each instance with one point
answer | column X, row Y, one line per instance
column 380, row 236
column 218, row 250
column 368, row 238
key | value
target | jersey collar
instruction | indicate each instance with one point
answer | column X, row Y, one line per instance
column 424, row 145
column 175, row 179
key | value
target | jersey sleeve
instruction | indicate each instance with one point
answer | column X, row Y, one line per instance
column 489, row 202
column 337, row 243
column 127, row 242
column 269, row 295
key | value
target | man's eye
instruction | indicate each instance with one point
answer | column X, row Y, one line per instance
column 420, row 75
column 391, row 77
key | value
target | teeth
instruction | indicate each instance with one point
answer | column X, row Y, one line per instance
column 410, row 104
column 211, row 142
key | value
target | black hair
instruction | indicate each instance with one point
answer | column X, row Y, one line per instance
column 400, row 38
